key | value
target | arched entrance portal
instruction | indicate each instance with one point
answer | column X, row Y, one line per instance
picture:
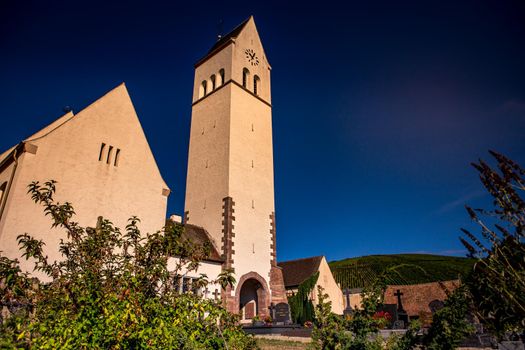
column 252, row 296
column 249, row 300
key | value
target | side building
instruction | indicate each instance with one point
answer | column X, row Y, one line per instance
column 295, row 272
column 103, row 165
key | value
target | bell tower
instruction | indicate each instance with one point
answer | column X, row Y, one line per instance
column 230, row 181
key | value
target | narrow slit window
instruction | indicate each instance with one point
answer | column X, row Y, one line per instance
column 117, row 156
column 212, row 79
column 253, row 204
column 203, row 89
column 3, row 188
column 101, row 153
column 110, row 151
column 221, row 75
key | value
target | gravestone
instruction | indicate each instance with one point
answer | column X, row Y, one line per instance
column 401, row 313
column 272, row 310
column 435, row 306
column 282, row 313
column 399, row 324
column 348, row 309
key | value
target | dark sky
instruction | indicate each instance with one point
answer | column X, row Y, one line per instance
column 378, row 106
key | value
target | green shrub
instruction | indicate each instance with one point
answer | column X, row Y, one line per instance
column 112, row 290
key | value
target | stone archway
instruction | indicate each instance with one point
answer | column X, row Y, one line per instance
column 252, row 296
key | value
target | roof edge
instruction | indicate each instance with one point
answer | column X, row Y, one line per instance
column 295, row 260
column 228, row 39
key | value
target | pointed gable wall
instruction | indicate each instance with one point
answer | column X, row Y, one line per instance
column 249, row 38
column 68, row 152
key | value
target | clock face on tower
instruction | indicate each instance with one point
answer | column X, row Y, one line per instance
column 252, row 58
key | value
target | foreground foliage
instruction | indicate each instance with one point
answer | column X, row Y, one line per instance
column 112, row 290
column 361, row 330
column 450, row 324
column 497, row 284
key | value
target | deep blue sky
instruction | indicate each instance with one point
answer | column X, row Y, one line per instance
column 378, row 108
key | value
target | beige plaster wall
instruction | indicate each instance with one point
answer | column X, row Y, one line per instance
column 327, row 281
column 251, row 187
column 69, row 154
column 208, row 161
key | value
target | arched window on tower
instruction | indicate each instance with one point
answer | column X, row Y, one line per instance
column 256, row 84
column 221, row 77
column 212, row 79
column 202, row 89
column 245, row 76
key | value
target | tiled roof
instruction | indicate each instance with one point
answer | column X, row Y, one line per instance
column 199, row 235
column 416, row 298
column 297, row 271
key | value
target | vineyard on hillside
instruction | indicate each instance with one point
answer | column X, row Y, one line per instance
column 412, row 269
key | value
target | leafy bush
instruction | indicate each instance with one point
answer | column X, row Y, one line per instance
column 450, row 324
column 112, row 290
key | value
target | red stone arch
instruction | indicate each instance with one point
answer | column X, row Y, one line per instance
column 263, row 294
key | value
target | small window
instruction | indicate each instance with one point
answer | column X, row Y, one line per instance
column 245, row 75
column 176, row 283
column 212, row 79
column 110, row 151
column 221, row 76
column 101, row 153
column 195, row 286
column 256, row 84
column 117, row 156
column 186, row 284
column 3, row 188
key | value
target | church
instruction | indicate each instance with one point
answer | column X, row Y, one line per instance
column 103, row 165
